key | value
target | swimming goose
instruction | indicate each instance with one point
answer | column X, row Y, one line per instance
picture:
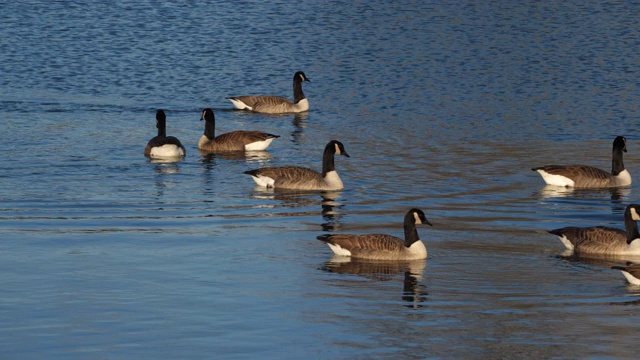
column 276, row 104
column 381, row 246
column 631, row 272
column 603, row 240
column 240, row 140
column 163, row 146
column 300, row 178
column 582, row 176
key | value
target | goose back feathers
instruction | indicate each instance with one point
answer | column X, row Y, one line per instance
column 582, row 176
column 382, row 246
column 240, row 140
column 300, row 178
column 603, row 240
column 163, row 146
column 269, row 104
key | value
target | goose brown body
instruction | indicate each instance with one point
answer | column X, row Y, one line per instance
column 295, row 177
column 596, row 240
column 582, row 176
column 240, row 140
column 604, row 240
column 382, row 246
column 301, row 178
column 374, row 246
column 270, row 104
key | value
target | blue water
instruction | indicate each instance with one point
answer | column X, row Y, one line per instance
column 444, row 107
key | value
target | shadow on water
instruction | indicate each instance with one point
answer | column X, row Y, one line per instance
column 413, row 292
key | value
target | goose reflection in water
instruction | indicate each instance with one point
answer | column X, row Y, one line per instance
column 166, row 167
column 629, row 266
column 413, row 292
column 303, row 198
column 331, row 213
column 163, row 168
column 631, row 273
column 298, row 122
column 603, row 261
column 551, row 191
column 168, row 161
column 248, row 156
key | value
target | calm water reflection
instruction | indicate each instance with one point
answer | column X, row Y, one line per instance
column 442, row 106
column 409, row 273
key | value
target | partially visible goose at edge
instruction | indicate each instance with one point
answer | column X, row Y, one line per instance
column 269, row 104
column 603, row 240
column 631, row 272
column 381, row 246
column 240, row 140
column 301, row 178
column 163, row 146
column 582, row 176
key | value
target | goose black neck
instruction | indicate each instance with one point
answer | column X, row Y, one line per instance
column 410, row 231
column 162, row 128
column 297, row 90
column 631, row 226
column 617, row 166
column 210, row 128
column 327, row 160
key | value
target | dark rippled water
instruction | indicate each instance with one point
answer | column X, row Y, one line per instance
column 441, row 106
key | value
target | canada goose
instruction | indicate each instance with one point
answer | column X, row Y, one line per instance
column 381, row 246
column 163, row 146
column 603, row 240
column 239, row 140
column 300, row 178
column 631, row 272
column 581, row 176
column 276, row 104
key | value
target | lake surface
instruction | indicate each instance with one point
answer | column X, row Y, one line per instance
column 444, row 107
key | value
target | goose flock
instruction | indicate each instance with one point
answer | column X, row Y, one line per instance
column 595, row 241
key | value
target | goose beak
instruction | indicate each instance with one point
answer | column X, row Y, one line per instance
column 345, row 154
column 427, row 222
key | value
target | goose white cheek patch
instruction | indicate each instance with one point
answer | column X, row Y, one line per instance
column 415, row 216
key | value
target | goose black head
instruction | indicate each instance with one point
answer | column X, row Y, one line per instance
column 418, row 217
column 336, row 147
column 161, row 118
column 620, row 143
column 633, row 211
column 207, row 114
column 300, row 76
